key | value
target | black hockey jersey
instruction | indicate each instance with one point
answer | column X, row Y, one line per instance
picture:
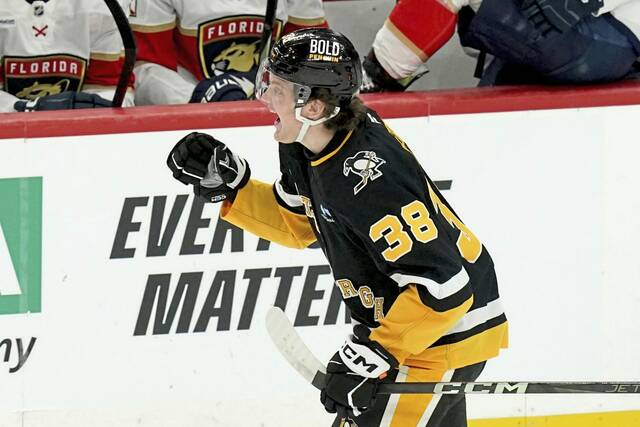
column 405, row 263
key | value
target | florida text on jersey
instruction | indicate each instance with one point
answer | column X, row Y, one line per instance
column 52, row 47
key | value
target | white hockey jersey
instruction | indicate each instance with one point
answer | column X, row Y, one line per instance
column 52, row 46
column 201, row 39
column 403, row 47
column 625, row 11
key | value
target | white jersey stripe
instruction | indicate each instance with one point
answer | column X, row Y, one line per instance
column 426, row 416
column 292, row 200
column 477, row 317
column 392, row 404
column 438, row 290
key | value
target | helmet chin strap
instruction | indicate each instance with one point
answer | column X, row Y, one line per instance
column 307, row 123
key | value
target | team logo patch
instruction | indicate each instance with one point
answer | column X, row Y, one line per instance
column 33, row 77
column 365, row 164
column 231, row 44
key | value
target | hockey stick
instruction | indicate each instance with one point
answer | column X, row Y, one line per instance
column 129, row 44
column 267, row 31
column 294, row 350
column 264, row 48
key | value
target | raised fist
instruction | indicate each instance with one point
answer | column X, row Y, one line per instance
column 202, row 161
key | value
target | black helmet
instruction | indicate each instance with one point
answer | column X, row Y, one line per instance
column 315, row 58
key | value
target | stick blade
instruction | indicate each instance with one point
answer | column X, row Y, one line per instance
column 292, row 348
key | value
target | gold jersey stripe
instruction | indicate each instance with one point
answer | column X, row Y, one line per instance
column 333, row 153
column 306, row 22
column 482, row 346
column 410, row 326
column 104, row 87
column 189, row 32
column 153, row 28
column 111, row 57
column 405, row 41
column 598, row 419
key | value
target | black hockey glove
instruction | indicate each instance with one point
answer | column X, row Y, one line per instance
column 376, row 79
column 353, row 374
column 63, row 101
column 558, row 15
column 202, row 161
column 217, row 89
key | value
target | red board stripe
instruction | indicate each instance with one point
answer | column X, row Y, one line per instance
column 252, row 113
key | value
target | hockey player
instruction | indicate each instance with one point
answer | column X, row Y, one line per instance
column 58, row 55
column 206, row 51
column 534, row 41
column 417, row 280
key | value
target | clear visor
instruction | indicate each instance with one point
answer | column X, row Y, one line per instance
column 265, row 77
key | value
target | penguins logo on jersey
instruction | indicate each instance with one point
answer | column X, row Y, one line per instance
column 365, row 164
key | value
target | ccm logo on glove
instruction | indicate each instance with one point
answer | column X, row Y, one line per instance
column 363, row 361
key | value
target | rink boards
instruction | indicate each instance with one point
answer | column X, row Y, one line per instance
column 124, row 301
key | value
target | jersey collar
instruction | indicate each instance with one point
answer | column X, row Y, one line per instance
column 337, row 142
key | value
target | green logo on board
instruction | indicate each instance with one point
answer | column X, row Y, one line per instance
column 20, row 245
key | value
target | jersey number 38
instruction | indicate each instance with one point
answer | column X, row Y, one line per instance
column 416, row 216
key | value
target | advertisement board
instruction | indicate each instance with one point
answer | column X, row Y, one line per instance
column 124, row 300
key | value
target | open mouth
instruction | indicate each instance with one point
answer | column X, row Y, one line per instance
column 276, row 123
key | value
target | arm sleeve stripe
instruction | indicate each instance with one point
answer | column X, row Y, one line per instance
column 475, row 331
column 189, row 32
column 157, row 48
column 437, row 290
column 292, row 200
column 409, row 327
column 105, row 73
column 478, row 316
column 109, row 57
column 307, row 22
column 390, row 34
column 153, row 28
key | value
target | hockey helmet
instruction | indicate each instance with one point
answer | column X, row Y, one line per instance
column 313, row 58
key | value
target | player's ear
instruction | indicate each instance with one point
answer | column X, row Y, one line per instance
column 314, row 109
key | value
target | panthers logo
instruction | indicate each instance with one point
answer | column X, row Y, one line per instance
column 239, row 57
column 365, row 164
column 37, row 89
column 231, row 44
